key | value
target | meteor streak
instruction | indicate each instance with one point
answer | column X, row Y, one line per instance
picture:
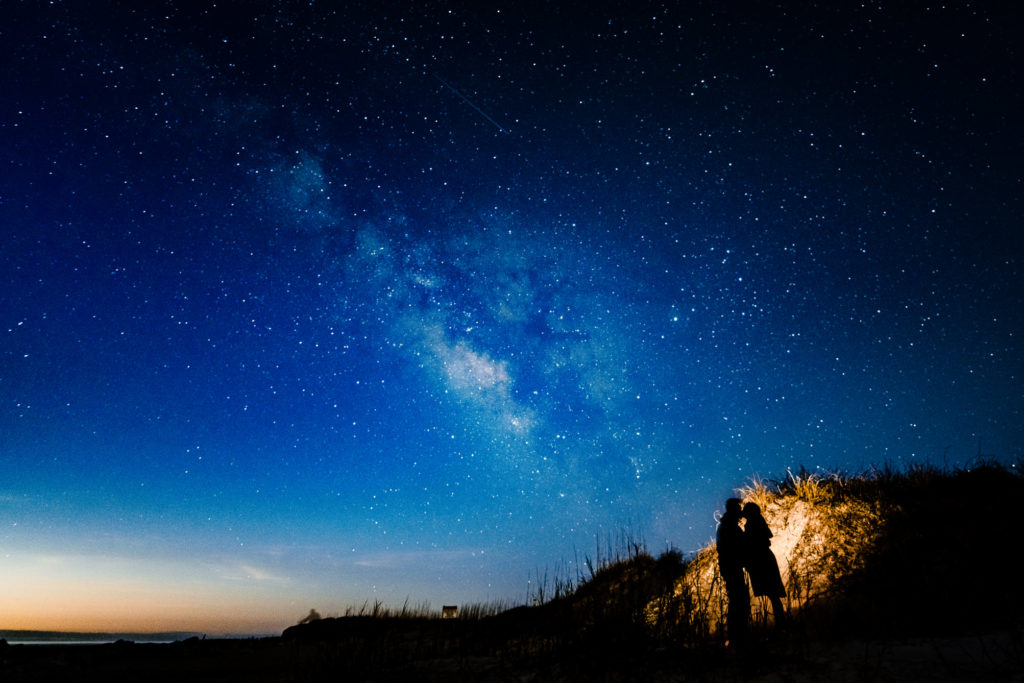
column 470, row 103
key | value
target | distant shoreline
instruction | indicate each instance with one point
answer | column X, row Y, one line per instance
column 28, row 637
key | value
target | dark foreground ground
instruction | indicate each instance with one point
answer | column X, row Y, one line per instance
column 779, row 657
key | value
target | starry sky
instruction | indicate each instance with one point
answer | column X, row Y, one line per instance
column 308, row 304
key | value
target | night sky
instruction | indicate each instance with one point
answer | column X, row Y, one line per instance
column 307, row 304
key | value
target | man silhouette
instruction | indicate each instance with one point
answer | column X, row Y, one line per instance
column 731, row 547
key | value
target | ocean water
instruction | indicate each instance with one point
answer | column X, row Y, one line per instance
column 141, row 639
column 78, row 642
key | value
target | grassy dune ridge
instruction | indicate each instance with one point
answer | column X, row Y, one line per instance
column 882, row 554
column 918, row 550
column 889, row 574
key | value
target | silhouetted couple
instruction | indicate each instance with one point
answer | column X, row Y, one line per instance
column 747, row 547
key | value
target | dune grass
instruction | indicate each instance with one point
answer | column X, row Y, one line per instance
column 422, row 610
column 915, row 548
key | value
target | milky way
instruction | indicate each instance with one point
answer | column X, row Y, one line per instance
column 305, row 305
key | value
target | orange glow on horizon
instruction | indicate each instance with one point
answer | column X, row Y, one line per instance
column 50, row 593
column 64, row 608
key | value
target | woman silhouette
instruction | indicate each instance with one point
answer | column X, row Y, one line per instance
column 765, row 579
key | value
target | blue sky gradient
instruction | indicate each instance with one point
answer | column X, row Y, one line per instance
column 308, row 305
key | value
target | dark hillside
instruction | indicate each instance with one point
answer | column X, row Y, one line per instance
column 944, row 560
column 883, row 554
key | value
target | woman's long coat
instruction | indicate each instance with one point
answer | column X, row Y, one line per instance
column 761, row 564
